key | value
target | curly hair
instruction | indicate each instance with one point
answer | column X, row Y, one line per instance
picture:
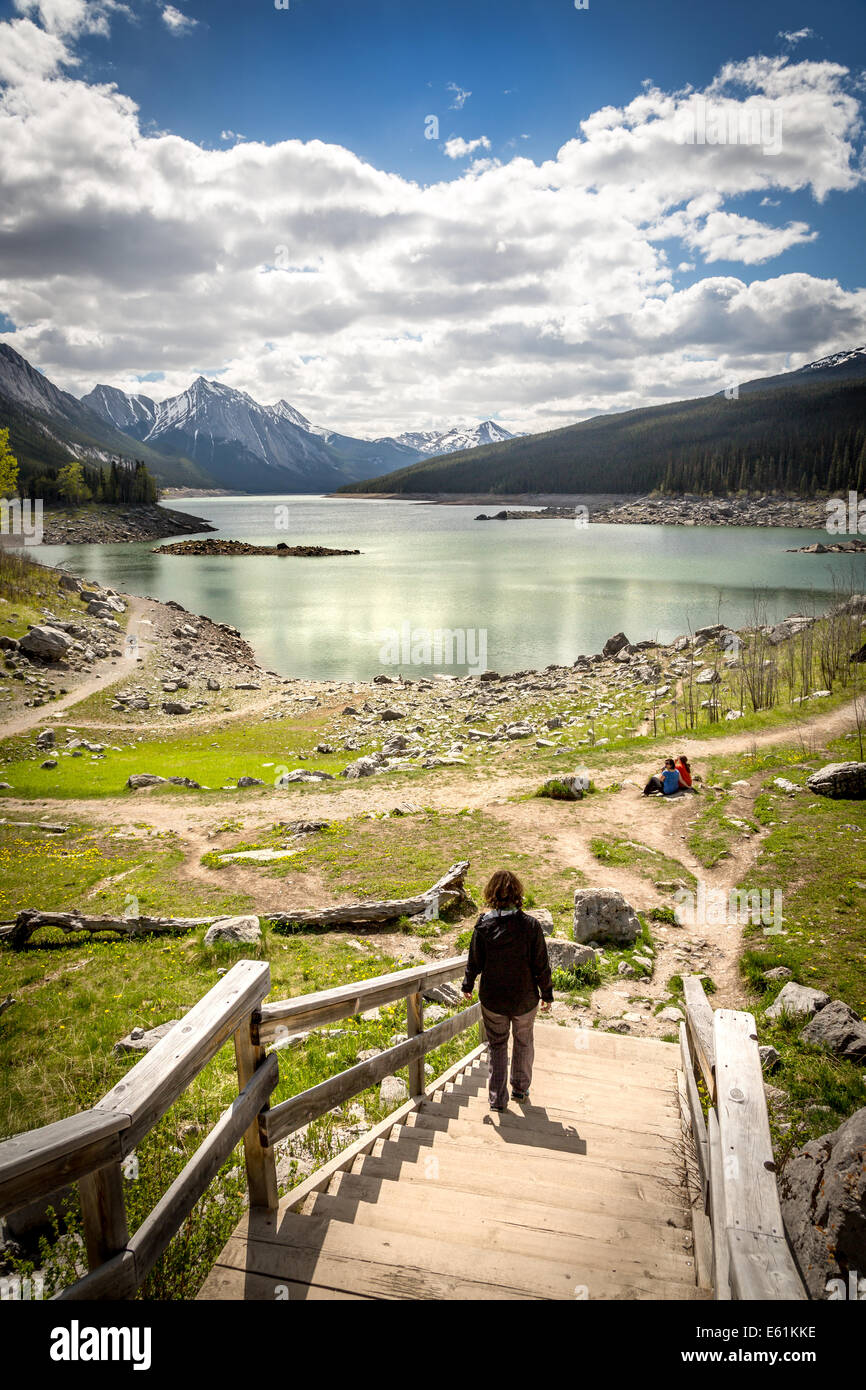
column 503, row 889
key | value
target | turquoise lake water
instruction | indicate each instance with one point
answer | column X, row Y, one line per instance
column 531, row 592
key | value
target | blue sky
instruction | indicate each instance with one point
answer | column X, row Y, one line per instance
column 365, row 78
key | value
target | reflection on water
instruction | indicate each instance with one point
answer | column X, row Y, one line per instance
column 543, row 592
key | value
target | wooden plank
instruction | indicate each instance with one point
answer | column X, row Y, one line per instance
column 540, row 1126
column 495, row 1219
column 260, row 1161
column 594, row 1188
column 40, row 1161
column 155, row 1083
column 595, row 1041
column 543, row 1111
column 761, row 1265
column 322, row 1176
column 613, row 1143
column 159, row 1228
column 721, row 1275
column 697, row 1128
column 298, row 1110
column 598, row 1256
column 226, row 1284
column 700, row 1020
column 282, row 1018
column 414, row 1026
column 103, row 1211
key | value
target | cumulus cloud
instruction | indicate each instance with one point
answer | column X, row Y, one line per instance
column 457, row 148
column 178, row 22
column 537, row 293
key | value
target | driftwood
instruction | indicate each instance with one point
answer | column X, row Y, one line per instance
column 7, row 1003
column 19, row 932
column 447, row 890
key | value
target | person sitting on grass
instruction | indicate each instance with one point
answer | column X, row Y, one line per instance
column 682, row 767
column 509, row 952
column 667, row 782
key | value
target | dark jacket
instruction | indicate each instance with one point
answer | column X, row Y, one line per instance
column 509, row 952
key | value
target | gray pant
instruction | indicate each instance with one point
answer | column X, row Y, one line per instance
column 498, row 1027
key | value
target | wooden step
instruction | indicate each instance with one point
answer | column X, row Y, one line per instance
column 226, row 1283
column 536, row 1126
column 486, row 1143
column 578, row 1072
column 590, row 1258
column 567, row 1105
column 395, row 1264
column 589, row 1188
column 619, row 1046
column 503, row 1206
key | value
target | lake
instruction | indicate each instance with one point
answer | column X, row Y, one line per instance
column 532, row 593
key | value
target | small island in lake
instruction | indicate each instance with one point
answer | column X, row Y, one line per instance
column 222, row 547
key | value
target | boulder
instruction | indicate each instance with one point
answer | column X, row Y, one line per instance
column 770, row 1057
column 544, row 917
column 364, row 767
column 45, row 739
column 845, row 781
column 250, row 782
column 778, row 972
column 234, row 929
column 823, row 1195
column 143, row 1039
column 839, row 1029
column 568, row 955
column 393, row 1091
column 614, row 645
column 707, row 677
column 176, row 707
column 389, row 714
column 301, row 774
column 144, row 779
column 602, row 914
column 47, row 643
column 798, row 1000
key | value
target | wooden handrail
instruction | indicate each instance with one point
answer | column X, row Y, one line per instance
column 90, row 1147
column 284, row 1017
column 751, row 1256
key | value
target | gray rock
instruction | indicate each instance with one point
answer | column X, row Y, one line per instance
column 543, row 916
column 614, row 645
column 47, row 643
column 176, row 707
column 388, row 714
column 303, row 775
column 778, row 972
column 393, row 1091
column 144, row 779
column 839, row 1029
column 250, row 782
column 846, row 781
column 823, row 1195
column 602, row 914
column 212, row 684
column 770, row 1058
column 234, row 929
column 444, row 994
column 670, row 1014
column 142, row 1040
column 364, row 767
column 45, row 739
column 568, row 955
column 798, row 1000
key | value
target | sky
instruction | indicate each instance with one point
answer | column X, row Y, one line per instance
column 410, row 215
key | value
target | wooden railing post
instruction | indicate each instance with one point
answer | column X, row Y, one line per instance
column 414, row 1026
column 103, row 1212
column 261, row 1163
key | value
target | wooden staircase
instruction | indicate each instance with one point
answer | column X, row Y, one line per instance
column 578, row 1194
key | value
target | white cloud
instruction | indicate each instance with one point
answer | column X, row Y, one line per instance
column 794, row 36
column 73, row 17
column 536, row 293
column 178, row 22
column 457, row 148
column 461, row 96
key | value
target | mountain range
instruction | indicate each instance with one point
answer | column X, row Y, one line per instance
column 210, row 435
column 800, row 431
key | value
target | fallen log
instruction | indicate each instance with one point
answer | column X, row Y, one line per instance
column 18, row 933
column 445, row 892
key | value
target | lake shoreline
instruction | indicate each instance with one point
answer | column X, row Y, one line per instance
column 110, row 525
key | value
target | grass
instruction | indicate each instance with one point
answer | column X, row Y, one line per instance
column 813, row 854
column 651, row 863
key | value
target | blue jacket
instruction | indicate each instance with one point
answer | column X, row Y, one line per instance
column 670, row 781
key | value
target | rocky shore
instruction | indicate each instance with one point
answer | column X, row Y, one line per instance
column 105, row 525
column 687, row 510
column 225, row 547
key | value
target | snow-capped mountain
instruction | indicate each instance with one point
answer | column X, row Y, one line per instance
column 257, row 447
column 430, row 442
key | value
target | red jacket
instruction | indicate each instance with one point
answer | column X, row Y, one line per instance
column 685, row 775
